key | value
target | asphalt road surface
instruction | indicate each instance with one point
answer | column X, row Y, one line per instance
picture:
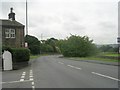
column 54, row 72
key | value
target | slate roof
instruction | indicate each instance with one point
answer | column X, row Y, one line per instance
column 6, row 22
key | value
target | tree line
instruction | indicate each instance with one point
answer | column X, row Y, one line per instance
column 73, row 46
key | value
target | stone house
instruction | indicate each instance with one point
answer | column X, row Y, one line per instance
column 12, row 31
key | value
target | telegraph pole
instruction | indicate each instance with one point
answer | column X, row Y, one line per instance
column 26, row 19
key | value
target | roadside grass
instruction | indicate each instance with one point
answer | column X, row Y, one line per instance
column 37, row 56
column 110, row 54
column 98, row 58
column 34, row 56
column 93, row 58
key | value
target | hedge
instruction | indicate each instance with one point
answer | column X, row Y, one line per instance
column 18, row 54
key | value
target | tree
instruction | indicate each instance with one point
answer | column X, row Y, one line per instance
column 52, row 42
column 33, row 44
column 76, row 46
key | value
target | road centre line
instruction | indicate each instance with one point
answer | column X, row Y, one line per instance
column 74, row 67
column 106, row 76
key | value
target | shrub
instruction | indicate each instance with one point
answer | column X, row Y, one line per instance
column 76, row 46
column 20, row 54
column 6, row 48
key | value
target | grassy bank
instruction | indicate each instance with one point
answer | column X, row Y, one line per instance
column 106, row 57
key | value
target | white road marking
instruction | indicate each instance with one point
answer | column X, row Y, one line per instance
column 24, row 73
column 78, row 68
column 16, row 81
column 22, row 76
column 32, row 83
column 31, row 79
column 74, row 67
column 60, row 62
column 70, row 66
column 31, row 76
column 21, row 79
column 106, row 76
column 33, row 86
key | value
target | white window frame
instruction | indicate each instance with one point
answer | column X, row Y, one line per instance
column 10, row 33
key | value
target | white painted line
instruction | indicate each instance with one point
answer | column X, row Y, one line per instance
column 32, row 83
column 21, row 79
column 24, row 72
column 31, row 79
column 33, row 86
column 30, row 76
column 106, row 76
column 78, row 68
column 74, row 67
column 16, row 81
column 60, row 62
column 22, row 76
column 70, row 66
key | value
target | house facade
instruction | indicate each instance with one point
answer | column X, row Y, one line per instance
column 12, row 32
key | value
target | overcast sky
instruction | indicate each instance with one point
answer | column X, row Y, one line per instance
column 97, row 19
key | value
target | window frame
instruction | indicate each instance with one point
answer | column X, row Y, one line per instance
column 9, row 33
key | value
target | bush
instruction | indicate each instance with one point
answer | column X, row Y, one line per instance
column 20, row 54
column 76, row 46
column 6, row 48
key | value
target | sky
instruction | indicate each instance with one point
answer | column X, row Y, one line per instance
column 97, row 19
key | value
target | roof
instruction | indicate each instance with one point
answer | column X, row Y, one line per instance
column 10, row 23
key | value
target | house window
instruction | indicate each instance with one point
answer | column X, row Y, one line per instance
column 10, row 33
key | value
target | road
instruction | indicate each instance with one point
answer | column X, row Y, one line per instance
column 54, row 72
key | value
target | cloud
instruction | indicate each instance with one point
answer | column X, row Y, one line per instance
column 58, row 18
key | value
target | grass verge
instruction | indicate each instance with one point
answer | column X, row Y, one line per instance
column 34, row 56
column 93, row 58
column 98, row 59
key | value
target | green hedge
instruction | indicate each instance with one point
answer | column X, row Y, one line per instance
column 18, row 54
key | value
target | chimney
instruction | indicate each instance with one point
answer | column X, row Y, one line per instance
column 11, row 14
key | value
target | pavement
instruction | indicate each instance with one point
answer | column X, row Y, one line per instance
column 54, row 72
